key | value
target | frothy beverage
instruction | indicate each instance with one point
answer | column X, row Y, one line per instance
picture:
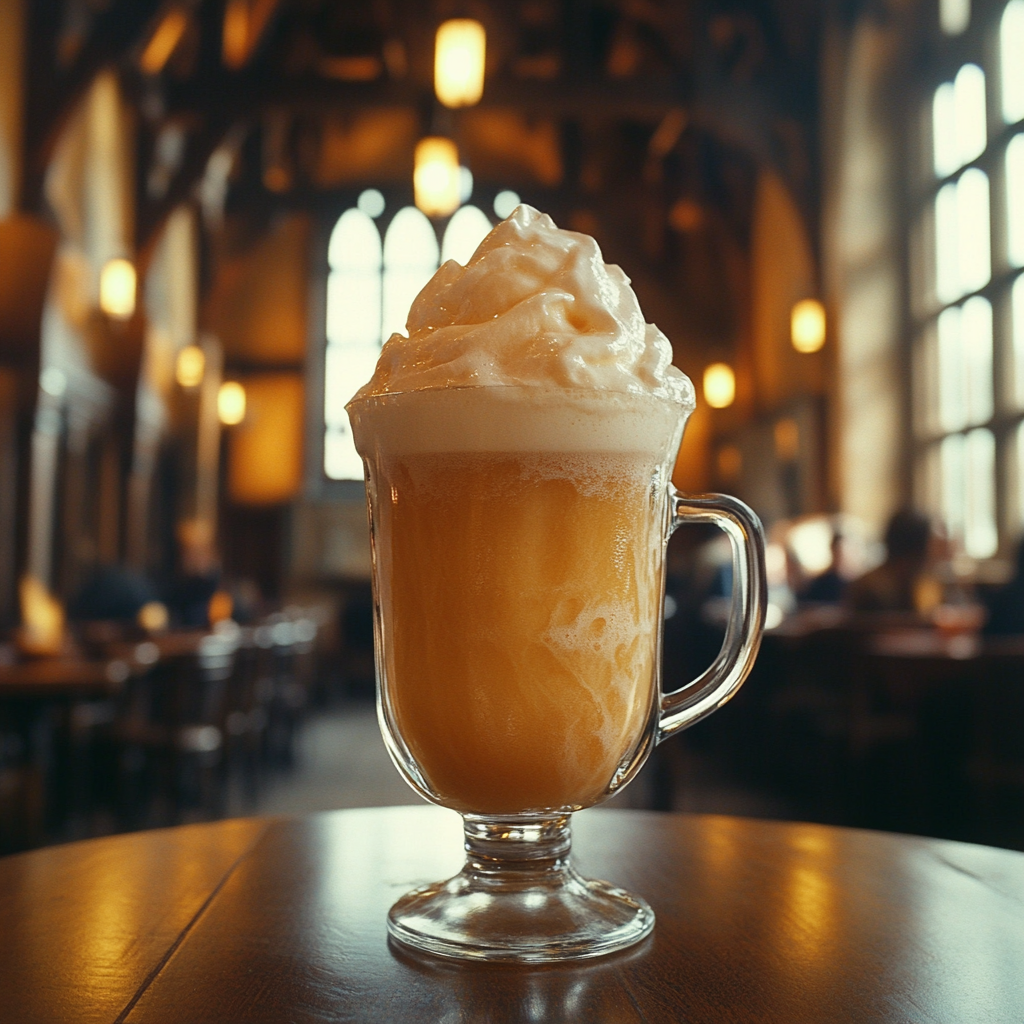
column 517, row 448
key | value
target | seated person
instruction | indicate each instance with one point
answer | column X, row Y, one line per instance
column 1006, row 606
column 113, row 593
column 827, row 587
column 891, row 586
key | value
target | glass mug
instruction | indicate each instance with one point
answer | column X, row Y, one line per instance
column 518, row 540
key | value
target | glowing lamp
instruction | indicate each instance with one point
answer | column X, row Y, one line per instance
column 153, row 617
column 807, row 325
column 436, row 176
column 235, row 38
column 719, row 385
column 117, row 289
column 459, row 53
column 164, row 41
column 231, row 403
column 188, row 370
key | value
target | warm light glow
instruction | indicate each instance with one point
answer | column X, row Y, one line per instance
column 220, row 607
column 236, row 33
column 153, row 617
column 117, row 289
column 787, row 439
column 436, row 177
column 459, row 57
column 719, row 385
column 231, row 403
column 163, row 41
column 42, row 619
column 807, row 325
column 188, row 370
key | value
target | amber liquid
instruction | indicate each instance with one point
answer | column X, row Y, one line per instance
column 520, row 599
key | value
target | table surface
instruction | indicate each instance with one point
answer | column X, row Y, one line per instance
column 282, row 920
column 44, row 678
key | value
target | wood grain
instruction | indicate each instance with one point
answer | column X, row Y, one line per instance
column 757, row 921
column 84, row 926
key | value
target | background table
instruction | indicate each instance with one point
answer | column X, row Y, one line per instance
column 283, row 920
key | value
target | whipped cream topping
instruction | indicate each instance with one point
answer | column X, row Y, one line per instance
column 535, row 306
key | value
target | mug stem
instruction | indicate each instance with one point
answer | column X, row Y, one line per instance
column 519, row 899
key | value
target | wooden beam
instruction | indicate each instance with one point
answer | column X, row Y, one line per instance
column 113, row 33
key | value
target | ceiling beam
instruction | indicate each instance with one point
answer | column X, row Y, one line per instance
column 54, row 93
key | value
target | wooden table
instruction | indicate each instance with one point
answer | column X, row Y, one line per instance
column 283, row 921
column 65, row 677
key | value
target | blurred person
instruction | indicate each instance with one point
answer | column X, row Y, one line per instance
column 188, row 597
column 827, row 587
column 112, row 593
column 893, row 586
column 1006, row 605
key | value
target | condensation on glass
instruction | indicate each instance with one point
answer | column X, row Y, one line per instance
column 370, row 286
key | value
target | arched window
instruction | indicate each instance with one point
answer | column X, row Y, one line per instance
column 370, row 288
column 465, row 232
column 353, row 333
column 967, row 284
column 410, row 259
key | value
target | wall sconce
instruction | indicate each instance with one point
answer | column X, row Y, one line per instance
column 460, row 51
column 807, row 325
column 436, row 176
column 231, row 403
column 719, row 385
column 164, row 41
column 117, row 289
column 235, row 35
column 190, row 366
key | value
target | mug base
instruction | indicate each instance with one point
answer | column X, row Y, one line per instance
column 521, row 920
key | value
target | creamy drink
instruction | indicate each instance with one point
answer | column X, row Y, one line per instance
column 518, row 447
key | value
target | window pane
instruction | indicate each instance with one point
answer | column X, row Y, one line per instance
column 410, row 241
column 926, row 382
column 1016, row 476
column 952, row 396
column 976, row 347
column 346, row 370
column 947, row 274
column 1018, row 339
column 465, row 231
column 928, row 483
column 969, row 91
column 954, row 16
column 974, row 259
column 341, row 460
column 1015, row 199
column 945, row 153
column 1011, row 61
column 980, row 536
column 355, row 243
column 353, row 307
column 953, row 479
column 410, row 259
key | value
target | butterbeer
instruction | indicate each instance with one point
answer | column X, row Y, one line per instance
column 520, row 592
column 518, row 445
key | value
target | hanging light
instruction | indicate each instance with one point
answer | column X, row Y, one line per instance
column 188, row 370
column 117, row 289
column 235, row 35
column 231, row 403
column 719, row 385
column 164, row 41
column 459, row 54
column 807, row 325
column 436, row 176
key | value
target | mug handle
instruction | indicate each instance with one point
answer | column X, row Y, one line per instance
column 683, row 707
